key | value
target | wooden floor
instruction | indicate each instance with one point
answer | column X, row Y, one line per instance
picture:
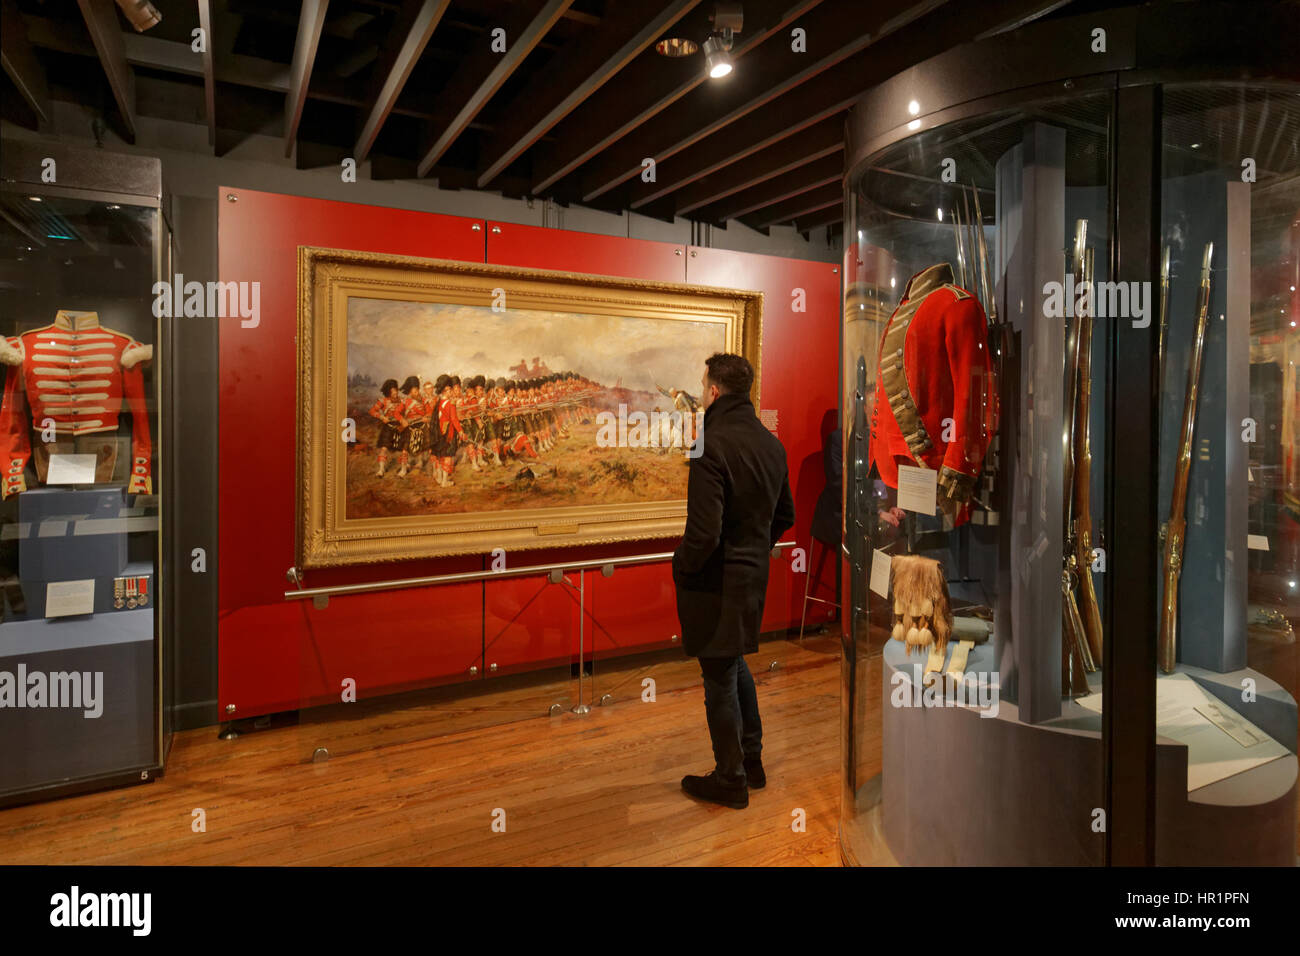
column 416, row 780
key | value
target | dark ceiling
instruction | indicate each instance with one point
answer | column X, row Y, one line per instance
column 569, row 111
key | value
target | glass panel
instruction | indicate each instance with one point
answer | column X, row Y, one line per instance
column 1230, row 492
column 974, row 415
column 78, row 554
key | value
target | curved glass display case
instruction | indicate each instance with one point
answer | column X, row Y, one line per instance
column 1071, row 519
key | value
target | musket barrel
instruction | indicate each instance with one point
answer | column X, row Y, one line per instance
column 1167, row 651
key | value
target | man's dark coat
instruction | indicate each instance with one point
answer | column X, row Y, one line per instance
column 738, row 506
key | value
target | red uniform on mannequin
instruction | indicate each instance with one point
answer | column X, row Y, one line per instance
column 936, row 400
column 78, row 374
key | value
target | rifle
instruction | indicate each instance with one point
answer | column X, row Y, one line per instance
column 1084, row 554
column 1176, row 528
column 1076, row 615
column 1164, row 318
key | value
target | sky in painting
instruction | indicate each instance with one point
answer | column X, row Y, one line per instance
column 393, row 339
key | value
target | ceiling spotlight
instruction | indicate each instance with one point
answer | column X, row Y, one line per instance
column 728, row 19
column 36, row 199
column 913, row 107
column 717, row 59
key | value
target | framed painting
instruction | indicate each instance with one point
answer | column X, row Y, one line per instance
column 453, row 408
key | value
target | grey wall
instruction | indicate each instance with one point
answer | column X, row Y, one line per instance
column 192, row 176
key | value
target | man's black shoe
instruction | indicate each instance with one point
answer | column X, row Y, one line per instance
column 710, row 788
column 754, row 773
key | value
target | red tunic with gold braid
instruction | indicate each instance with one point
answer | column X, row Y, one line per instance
column 78, row 374
column 936, row 400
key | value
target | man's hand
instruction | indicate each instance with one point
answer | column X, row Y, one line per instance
column 893, row 516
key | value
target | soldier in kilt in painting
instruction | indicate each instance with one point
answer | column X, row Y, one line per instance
column 515, row 436
column 415, row 431
column 451, row 433
column 470, row 409
column 388, row 412
column 488, row 398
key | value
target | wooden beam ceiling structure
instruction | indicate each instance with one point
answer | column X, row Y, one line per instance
column 106, row 34
column 21, row 65
column 554, row 99
column 305, row 46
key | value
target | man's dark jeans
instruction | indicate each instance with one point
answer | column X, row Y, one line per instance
column 731, row 705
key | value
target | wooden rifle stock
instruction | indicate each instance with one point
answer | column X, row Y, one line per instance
column 1176, row 528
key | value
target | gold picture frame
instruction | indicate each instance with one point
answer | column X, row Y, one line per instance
column 329, row 278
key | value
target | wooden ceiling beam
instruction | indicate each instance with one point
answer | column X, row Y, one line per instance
column 209, row 71
column 804, row 204
column 651, row 85
column 823, row 139
column 829, row 169
column 20, row 63
column 827, row 217
column 775, row 69
column 415, row 25
column 106, row 34
column 482, row 73
column 310, row 25
column 573, row 74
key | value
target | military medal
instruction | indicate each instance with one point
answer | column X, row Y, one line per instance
column 119, row 587
column 144, row 592
column 130, row 593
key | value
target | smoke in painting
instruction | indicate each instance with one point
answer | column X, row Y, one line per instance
column 460, row 408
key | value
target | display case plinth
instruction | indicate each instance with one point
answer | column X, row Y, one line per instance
column 961, row 789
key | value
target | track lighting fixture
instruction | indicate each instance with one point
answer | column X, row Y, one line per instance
column 727, row 20
column 717, row 59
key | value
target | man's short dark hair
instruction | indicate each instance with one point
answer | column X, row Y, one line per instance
column 731, row 373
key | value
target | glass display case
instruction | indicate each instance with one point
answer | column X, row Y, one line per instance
column 82, row 242
column 1068, row 352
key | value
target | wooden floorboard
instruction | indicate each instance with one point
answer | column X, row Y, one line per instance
column 415, row 780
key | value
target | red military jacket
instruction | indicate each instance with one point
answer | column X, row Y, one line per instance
column 78, row 374
column 448, row 418
column 385, row 409
column 416, row 408
column 934, row 381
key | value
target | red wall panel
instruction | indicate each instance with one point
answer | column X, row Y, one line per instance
column 533, row 247
column 278, row 655
column 799, row 379
column 275, row 655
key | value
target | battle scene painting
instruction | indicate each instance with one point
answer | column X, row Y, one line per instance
column 460, row 408
column 451, row 407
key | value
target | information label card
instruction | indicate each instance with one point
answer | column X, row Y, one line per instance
column 71, row 470
column 880, row 573
column 917, row 489
column 63, row 598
